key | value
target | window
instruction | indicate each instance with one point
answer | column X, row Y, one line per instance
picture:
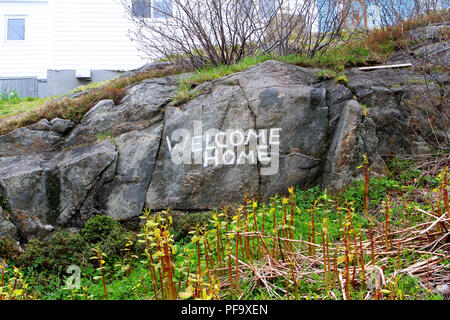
column 141, row 8
column 162, row 8
column 266, row 8
column 152, row 8
column 15, row 29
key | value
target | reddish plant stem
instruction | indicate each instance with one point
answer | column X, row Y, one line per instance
column 335, row 271
column 372, row 251
column 356, row 261
column 366, row 188
column 313, row 237
column 347, row 292
column 230, row 274
column 104, row 284
column 218, row 247
column 237, row 262
column 152, row 268
column 167, row 256
column 428, row 274
column 446, row 201
column 363, row 274
column 207, row 263
column 246, row 240
column 324, row 260
column 256, row 229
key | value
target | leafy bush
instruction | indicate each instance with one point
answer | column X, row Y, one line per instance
column 65, row 248
column 99, row 228
column 106, row 233
column 184, row 223
column 33, row 254
column 9, row 249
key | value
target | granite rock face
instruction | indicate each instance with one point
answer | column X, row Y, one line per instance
column 54, row 188
column 147, row 152
column 406, row 107
column 250, row 102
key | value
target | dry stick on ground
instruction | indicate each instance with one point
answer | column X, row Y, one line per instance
column 270, row 268
column 279, row 264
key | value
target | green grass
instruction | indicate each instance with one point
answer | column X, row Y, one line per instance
column 334, row 61
column 367, row 48
column 43, row 266
column 75, row 108
column 8, row 109
column 198, row 77
column 90, row 86
column 326, row 74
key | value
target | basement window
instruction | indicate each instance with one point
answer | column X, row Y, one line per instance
column 162, row 8
column 141, row 8
column 15, row 29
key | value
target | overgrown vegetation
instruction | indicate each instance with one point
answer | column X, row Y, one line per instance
column 367, row 48
column 75, row 108
column 213, row 33
column 390, row 244
column 11, row 104
column 354, row 49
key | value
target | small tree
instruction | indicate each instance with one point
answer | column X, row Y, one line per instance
column 392, row 12
column 214, row 32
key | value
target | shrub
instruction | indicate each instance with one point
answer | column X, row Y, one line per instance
column 33, row 254
column 395, row 37
column 183, row 223
column 115, row 243
column 218, row 33
column 106, row 233
column 99, row 228
column 65, row 248
column 9, row 249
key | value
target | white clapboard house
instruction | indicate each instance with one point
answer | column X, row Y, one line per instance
column 49, row 47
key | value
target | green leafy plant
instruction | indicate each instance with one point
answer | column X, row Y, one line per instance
column 326, row 74
column 341, row 78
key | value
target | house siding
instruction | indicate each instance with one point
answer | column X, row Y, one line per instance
column 89, row 34
column 30, row 57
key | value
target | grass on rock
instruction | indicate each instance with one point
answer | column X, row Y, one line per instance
column 367, row 47
column 306, row 245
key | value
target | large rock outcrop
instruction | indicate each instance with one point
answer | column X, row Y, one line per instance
column 143, row 151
